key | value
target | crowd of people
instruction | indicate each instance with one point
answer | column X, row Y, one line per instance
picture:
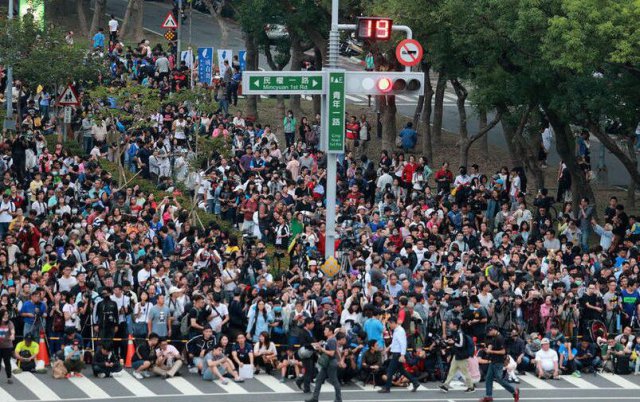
column 471, row 274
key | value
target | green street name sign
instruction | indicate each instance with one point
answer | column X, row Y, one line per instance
column 282, row 83
column 335, row 109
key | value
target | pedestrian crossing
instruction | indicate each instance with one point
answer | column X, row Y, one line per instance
column 34, row 387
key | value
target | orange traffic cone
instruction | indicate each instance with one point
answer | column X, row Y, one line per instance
column 43, row 354
column 130, row 351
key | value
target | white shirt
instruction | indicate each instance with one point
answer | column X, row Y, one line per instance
column 399, row 341
column 6, row 208
column 547, row 358
column 121, row 301
column 547, row 137
column 219, row 313
column 113, row 25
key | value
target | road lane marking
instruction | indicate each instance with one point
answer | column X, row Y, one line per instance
column 579, row 382
column 620, row 381
column 535, row 382
column 132, row 385
column 89, row 388
column 36, row 386
column 272, row 383
column 184, row 386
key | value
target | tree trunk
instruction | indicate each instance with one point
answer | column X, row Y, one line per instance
column 463, row 131
column 438, row 112
column 138, row 21
column 427, row 144
column 565, row 145
column 296, row 65
column 280, row 108
column 627, row 159
column 251, row 106
column 99, row 20
column 631, row 191
column 82, row 17
column 216, row 14
column 484, row 141
column 387, row 108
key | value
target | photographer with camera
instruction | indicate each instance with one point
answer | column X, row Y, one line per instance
column 463, row 349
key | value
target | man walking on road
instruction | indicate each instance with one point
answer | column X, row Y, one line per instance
column 461, row 353
column 306, row 341
column 398, row 350
column 496, row 352
column 328, row 362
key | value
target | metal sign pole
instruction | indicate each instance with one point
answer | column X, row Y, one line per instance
column 332, row 158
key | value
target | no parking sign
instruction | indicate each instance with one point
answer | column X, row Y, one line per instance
column 409, row 52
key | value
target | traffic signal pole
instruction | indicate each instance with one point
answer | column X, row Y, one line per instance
column 332, row 158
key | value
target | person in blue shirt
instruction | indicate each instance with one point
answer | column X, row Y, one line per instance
column 98, row 39
column 33, row 311
column 374, row 328
column 408, row 137
column 630, row 300
column 566, row 361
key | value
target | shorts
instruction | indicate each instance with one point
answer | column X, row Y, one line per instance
column 136, row 365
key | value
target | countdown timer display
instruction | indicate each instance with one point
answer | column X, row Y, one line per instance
column 374, row 28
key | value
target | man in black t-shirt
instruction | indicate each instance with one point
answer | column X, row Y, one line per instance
column 496, row 353
column 199, row 316
column 145, row 357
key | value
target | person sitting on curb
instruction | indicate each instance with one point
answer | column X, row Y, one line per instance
column 145, row 357
column 547, row 361
column 73, row 359
column 168, row 359
column 106, row 363
column 218, row 365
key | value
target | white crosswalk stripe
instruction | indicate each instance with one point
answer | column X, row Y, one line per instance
column 132, row 385
column 43, row 387
column 578, row 382
column 619, row 381
column 37, row 387
column 274, row 384
column 184, row 386
column 5, row 395
column 535, row 382
column 89, row 387
column 233, row 388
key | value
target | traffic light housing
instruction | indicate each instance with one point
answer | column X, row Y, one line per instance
column 384, row 83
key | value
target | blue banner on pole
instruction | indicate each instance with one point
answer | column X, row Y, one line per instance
column 242, row 59
column 205, row 65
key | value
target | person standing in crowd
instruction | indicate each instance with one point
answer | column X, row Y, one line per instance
column 305, row 352
column 496, row 353
column 398, row 352
column 328, row 362
column 463, row 350
column 7, row 336
column 113, row 29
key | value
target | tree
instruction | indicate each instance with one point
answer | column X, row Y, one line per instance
column 99, row 20
column 132, row 26
column 215, row 8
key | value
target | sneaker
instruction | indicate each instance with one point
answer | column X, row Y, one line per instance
column 283, row 380
column 239, row 380
column 103, row 375
column 224, row 381
column 9, row 381
column 193, row 370
column 138, row 375
column 68, row 375
column 470, row 390
column 257, row 371
column 516, row 395
column 17, row 370
column 79, row 375
column 117, row 374
column 444, row 388
column 146, row 374
column 576, row 374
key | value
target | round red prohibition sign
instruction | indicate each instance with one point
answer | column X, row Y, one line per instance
column 409, row 52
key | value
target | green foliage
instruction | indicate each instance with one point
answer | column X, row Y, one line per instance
column 40, row 55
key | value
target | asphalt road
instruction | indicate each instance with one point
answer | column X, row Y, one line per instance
column 200, row 30
column 190, row 387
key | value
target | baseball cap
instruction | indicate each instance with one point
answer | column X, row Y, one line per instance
column 545, row 341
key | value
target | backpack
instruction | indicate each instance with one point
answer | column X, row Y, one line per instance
column 469, row 346
column 185, row 322
column 621, row 365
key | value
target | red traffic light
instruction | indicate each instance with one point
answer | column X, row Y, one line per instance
column 385, row 84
